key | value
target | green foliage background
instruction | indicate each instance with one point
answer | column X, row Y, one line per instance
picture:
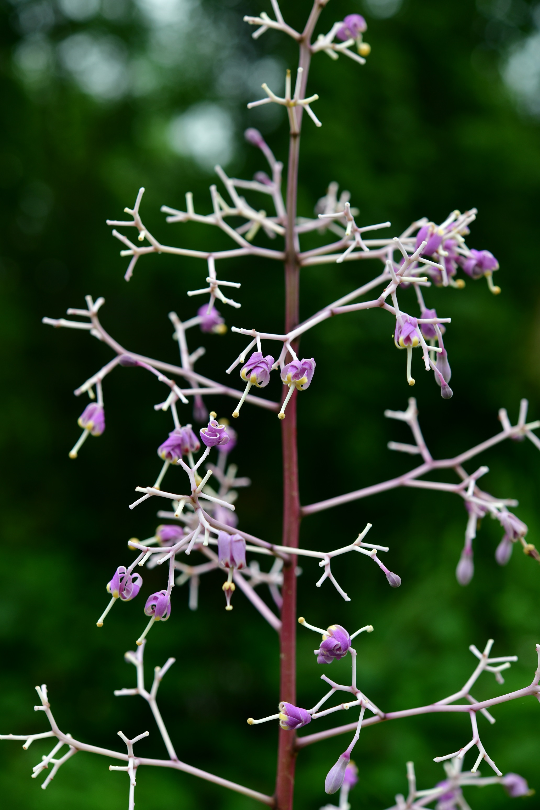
column 425, row 127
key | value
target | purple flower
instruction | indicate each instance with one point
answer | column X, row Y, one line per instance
column 211, row 321
column 231, row 550
column 291, row 717
column 515, row 785
column 448, row 800
column 335, row 646
column 225, row 516
column 215, row 434
column 181, row 441
column 257, row 369
column 465, row 567
column 233, row 436
column 504, row 550
column 351, row 775
column 123, row 585
column 434, row 239
column 478, row 262
column 512, row 525
column 336, row 775
column 406, row 333
column 428, row 329
column 159, row 606
column 443, row 367
column 299, row 373
column 352, row 26
column 169, row 533
column 93, row 419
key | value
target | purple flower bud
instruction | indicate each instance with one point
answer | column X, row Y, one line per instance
column 215, row 434
column 336, row 775
column 93, row 419
column 225, row 515
column 504, row 550
column 406, row 333
column 262, row 177
column 181, row 441
column 351, row 775
column 291, row 717
column 159, row 606
column 169, row 533
column 299, row 373
column 128, row 361
column 446, row 391
column 257, row 369
column 352, row 26
column 233, row 437
column 254, row 137
column 428, row 329
column 448, row 800
column 512, row 525
column 515, row 785
column 393, row 580
column 211, row 321
column 124, row 585
column 478, row 262
column 465, row 567
column 334, row 646
column 434, row 239
column 231, row 550
column 443, row 367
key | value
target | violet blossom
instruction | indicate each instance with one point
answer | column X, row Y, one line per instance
column 257, row 369
column 334, row 646
column 215, row 434
column 93, row 419
column 211, row 321
column 225, row 515
column 336, row 774
column 512, row 525
column 231, row 550
column 169, row 533
column 292, row 717
column 233, row 437
column 448, row 800
column 515, row 785
column 181, row 442
column 434, row 237
column 299, row 373
column 353, row 25
column 478, row 263
column 428, row 329
column 158, row 606
column 406, row 333
column 124, row 585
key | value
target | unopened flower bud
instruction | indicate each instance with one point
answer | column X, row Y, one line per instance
column 127, row 361
column 169, row 533
column 504, row 550
column 211, row 321
column 336, row 775
column 446, row 391
column 443, row 366
column 393, row 580
column 334, row 646
column 158, row 606
column 515, row 785
column 428, row 329
column 254, row 137
column 465, row 567
column 352, row 26
column 215, row 434
column 93, row 419
column 123, row 585
column 299, row 373
column 181, row 441
column 262, row 177
column 292, row 717
column 257, row 369
column 231, row 550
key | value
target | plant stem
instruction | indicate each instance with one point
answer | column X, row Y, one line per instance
column 291, row 500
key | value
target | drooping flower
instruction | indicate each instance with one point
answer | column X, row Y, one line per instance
column 215, row 434
column 231, row 550
column 292, row 717
column 512, row 525
column 211, row 321
column 428, row 329
column 515, row 785
column 503, row 552
column 257, row 369
column 158, row 606
column 351, row 775
column 93, row 419
column 336, row 774
column 465, row 567
column 169, row 533
column 394, row 580
column 334, row 646
column 181, row 441
column 352, row 26
column 478, row 262
column 124, row 585
column 299, row 373
column 406, row 333
column 434, row 237
column 443, row 367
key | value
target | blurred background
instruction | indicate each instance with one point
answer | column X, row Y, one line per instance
column 104, row 96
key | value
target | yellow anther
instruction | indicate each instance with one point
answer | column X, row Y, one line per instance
column 364, row 49
column 250, row 721
column 301, row 620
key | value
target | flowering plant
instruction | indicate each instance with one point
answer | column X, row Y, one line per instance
column 203, row 517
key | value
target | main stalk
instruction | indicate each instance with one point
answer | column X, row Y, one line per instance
column 291, row 500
